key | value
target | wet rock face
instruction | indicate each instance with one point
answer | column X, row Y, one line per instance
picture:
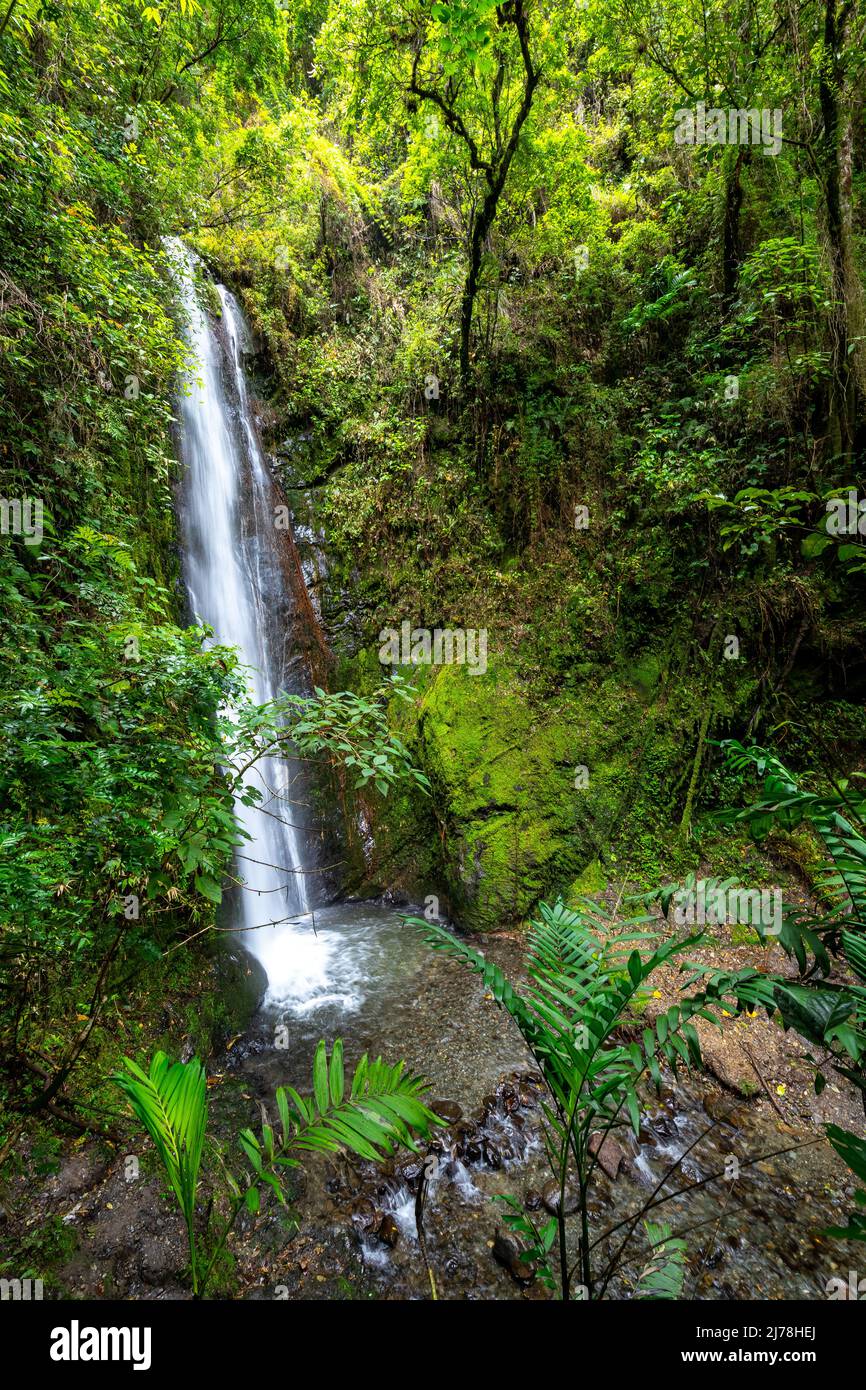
column 519, row 828
column 241, row 983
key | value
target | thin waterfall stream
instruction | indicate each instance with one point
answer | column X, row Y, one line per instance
column 353, row 970
column 234, row 584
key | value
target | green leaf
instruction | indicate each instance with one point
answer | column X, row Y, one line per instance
column 336, row 1073
column 320, row 1078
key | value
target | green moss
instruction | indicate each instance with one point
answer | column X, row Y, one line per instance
column 530, row 798
column 519, row 819
column 42, row 1250
column 744, row 935
column 592, row 880
column 645, row 674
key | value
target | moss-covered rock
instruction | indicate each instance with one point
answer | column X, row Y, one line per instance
column 240, row 985
column 526, row 796
column 532, row 795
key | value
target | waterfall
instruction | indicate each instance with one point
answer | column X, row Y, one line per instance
column 236, row 584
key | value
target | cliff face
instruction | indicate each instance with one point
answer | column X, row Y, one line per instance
column 530, row 798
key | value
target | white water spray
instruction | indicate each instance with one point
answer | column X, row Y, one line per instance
column 236, row 586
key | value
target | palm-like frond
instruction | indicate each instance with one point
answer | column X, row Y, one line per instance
column 382, row 1111
column 839, row 820
column 852, row 1150
column 584, row 972
column 171, row 1104
column 822, row 1011
column 663, row 1276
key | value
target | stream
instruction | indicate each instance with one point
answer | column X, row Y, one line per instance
column 357, row 971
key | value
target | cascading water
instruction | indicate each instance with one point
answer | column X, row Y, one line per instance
column 235, row 583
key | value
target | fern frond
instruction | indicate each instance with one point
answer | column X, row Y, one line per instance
column 663, row 1277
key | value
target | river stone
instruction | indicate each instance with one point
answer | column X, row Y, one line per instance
column 364, row 1215
column 509, row 1097
column 389, row 1231
column 410, row 1171
column 505, row 1248
column 333, row 1180
column 492, row 1156
column 489, row 1106
column 507, row 1252
column 446, row 1111
column 610, row 1153
column 472, row 1148
column 550, row 1198
column 465, row 1130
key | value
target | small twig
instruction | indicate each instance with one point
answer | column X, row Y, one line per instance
column 770, row 1096
column 420, row 1200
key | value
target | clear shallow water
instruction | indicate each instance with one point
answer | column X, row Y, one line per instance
column 368, row 977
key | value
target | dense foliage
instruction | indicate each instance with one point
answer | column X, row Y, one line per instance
column 559, row 317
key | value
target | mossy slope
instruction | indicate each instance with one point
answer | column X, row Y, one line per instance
column 519, row 820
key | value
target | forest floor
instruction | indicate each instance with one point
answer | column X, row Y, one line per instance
column 76, row 1218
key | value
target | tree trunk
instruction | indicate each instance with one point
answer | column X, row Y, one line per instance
column 835, row 158
column 731, row 251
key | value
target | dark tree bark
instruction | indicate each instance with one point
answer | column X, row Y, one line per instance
column 834, row 155
column 731, row 248
column 495, row 169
